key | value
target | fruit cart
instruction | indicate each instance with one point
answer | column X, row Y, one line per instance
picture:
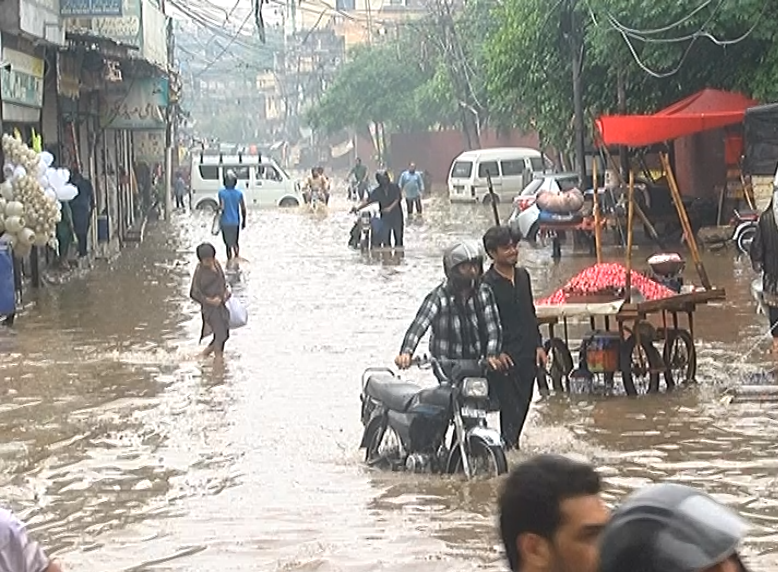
column 628, row 315
column 639, row 341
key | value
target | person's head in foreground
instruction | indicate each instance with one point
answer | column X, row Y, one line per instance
column 551, row 516
column 206, row 254
column 672, row 528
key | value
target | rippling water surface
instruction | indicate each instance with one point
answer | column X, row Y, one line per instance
column 124, row 450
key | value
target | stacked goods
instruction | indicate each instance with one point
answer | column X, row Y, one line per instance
column 30, row 197
column 605, row 279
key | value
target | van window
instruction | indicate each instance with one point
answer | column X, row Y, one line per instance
column 209, row 172
column 461, row 170
column 512, row 167
column 490, row 166
column 538, row 165
column 267, row 173
column 241, row 172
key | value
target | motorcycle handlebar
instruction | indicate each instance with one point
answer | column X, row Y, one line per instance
column 439, row 366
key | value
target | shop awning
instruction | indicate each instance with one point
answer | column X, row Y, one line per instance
column 706, row 109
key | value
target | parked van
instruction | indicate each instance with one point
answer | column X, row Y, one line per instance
column 262, row 180
column 510, row 168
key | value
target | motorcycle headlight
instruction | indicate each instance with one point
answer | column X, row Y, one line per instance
column 476, row 387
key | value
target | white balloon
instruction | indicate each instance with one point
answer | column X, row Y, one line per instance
column 66, row 192
column 19, row 172
column 7, row 190
column 51, row 194
column 47, row 158
column 64, row 175
column 44, row 181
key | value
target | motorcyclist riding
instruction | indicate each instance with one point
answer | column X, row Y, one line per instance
column 461, row 311
column 359, row 172
column 316, row 183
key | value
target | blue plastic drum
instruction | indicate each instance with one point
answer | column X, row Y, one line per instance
column 7, row 290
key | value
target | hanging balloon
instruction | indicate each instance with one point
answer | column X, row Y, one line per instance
column 19, row 172
column 66, row 192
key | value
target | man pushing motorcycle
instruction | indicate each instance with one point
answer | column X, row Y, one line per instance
column 461, row 311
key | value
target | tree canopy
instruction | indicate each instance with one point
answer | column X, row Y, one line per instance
column 420, row 75
column 663, row 51
column 510, row 63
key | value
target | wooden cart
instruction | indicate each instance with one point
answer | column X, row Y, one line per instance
column 638, row 328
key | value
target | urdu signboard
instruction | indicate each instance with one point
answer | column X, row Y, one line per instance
column 90, row 8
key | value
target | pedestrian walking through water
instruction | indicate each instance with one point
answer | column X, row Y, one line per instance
column 233, row 216
column 522, row 345
column 209, row 289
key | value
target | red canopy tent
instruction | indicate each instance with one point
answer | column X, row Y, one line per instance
column 706, row 109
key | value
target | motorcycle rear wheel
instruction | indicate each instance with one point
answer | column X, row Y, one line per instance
column 481, row 455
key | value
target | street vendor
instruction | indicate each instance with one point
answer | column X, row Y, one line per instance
column 522, row 343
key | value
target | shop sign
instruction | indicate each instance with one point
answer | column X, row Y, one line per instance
column 126, row 28
column 139, row 103
column 23, row 83
column 89, row 8
column 154, row 48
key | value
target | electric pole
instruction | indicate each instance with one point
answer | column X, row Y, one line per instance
column 577, row 52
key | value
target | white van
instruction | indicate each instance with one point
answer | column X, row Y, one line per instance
column 263, row 181
column 510, row 168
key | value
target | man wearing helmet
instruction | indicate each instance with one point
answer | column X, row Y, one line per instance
column 522, row 344
column 233, row 215
column 672, row 528
column 461, row 312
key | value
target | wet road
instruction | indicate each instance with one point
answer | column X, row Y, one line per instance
column 125, row 451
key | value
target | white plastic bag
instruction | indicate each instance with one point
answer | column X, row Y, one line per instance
column 216, row 225
column 239, row 317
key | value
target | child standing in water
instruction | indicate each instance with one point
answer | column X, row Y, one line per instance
column 209, row 289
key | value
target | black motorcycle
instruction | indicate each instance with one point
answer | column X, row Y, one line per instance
column 406, row 426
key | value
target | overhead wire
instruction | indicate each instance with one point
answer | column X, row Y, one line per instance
column 626, row 33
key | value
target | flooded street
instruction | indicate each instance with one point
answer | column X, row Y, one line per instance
column 126, row 451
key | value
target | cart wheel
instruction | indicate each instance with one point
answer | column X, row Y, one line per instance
column 648, row 363
column 680, row 357
column 558, row 366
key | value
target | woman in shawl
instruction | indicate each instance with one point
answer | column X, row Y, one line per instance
column 764, row 258
column 209, row 289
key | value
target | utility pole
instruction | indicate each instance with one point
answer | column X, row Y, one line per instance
column 576, row 51
column 169, row 134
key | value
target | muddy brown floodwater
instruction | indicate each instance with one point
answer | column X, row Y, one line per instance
column 124, row 451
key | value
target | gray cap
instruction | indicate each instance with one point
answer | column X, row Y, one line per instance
column 670, row 528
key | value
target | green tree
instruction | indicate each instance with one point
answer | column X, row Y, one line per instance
column 661, row 51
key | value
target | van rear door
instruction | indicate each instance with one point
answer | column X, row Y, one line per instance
column 460, row 180
column 481, row 183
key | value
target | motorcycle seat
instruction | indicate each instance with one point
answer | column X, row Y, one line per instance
column 746, row 214
column 396, row 395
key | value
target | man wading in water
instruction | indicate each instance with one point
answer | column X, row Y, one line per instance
column 233, row 216
column 522, row 345
column 209, row 289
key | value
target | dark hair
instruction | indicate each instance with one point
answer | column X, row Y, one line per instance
column 205, row 250
column 532, row 495
column 496, row 237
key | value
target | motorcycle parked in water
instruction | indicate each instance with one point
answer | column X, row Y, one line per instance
column 406, row 426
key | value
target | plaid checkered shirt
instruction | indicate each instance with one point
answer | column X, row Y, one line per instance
column 469, row 330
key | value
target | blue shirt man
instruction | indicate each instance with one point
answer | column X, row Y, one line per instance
column 230, row 200
column 412, row 185
column 233, row 214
